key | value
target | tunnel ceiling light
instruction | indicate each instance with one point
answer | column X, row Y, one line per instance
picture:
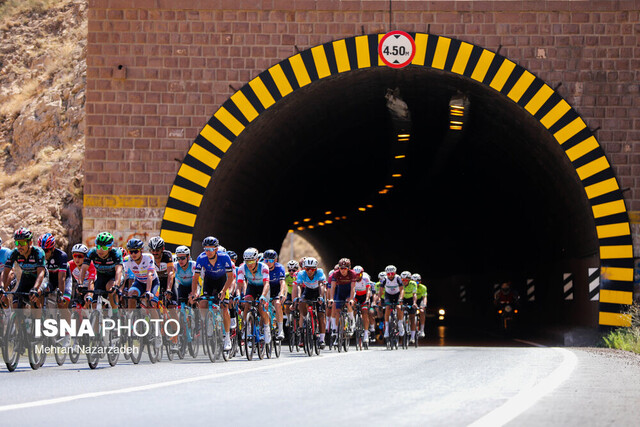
column 441, row 312
column 457, row 111
column 362, row 209
column 404, row 135
column 327, row 213
column 307, row 219
column 300, row 228
column 328, row 221
column 396, row 175
column 321, row 224
column 296, row 223
column 383, row 191
column 344, row 217
column 388, row 186
column 403, row 139
column 401, row 156
column 369, row 206
column 310, row 227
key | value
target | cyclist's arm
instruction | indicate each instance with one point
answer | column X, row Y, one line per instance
column 194, row 282
column 41, row 272
column 294, row 290
column 149, row 279
column 333, row 289
column 118, row 279
column 227, row 284
column 323, row 289
column 6, row 271
column 401, row 287
column 353, row 290
column 265, row 288
column 83, row 273
column 171, row 275
column 283, row 288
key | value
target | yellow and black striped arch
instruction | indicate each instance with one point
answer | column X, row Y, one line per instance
column 450, row 55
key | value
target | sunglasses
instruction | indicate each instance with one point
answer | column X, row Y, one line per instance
column 250, row 261
column 292, row 270
column 181, row 258
column 210, row 249
column 22, row 242
column 134, row 251
column 269, row 260
column 78, row 256
column 310, row 268
column 344, row 268
column 103, row 247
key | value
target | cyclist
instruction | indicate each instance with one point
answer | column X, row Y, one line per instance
column 393, row 292
column 410, row 290
column 313, row 280
column 59, row 276
column 31, row 260
column 277, row 286
column 184, row 273
column 253, row 280
column 165, row 268
column 217, row 271
column 78, row 254
column 343, row 283
column 145, row 277
column 4, row 255
column 363, row 297
column 289, row 279
column 421, row 301
column 108, row 265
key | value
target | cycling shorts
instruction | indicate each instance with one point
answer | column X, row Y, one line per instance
column 183, row 293
column 274, row 290
column 311, row 294
column 342, row 293
column 25, row 285
column 254, row 291
column 101, row 281
column 212, row 287
column 391, row 298
column 409, row 302
column 142, row 288
column 361, row 299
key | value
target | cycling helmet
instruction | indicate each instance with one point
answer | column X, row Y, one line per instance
column 293, row 265
column 251, row 254
column 390, row 269
column 47, row 241
column 22, row 234
column 382, row 275
column 79, row 248
column 336, row 267
column 0, row 240
column 344, row 262
column 260, row 257
column 210, row 241
column 358, row 269
column 310, row 262
column 104, row 239
column 405, row 275
column 156, row 243
column 135, row 244
column 183, row 250
column 233, row 256
column 416, row 277
column 270, row 254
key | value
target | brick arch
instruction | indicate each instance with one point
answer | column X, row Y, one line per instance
column 437, row 52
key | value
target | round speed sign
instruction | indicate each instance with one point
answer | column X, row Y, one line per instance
column 397, row 49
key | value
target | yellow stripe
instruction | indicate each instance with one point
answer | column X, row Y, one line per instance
column 613, row 230
column 320, row 59
column 194, row 175
column 204, row 155
column 185, row 195
column 567, row 132
column 619, row 251
column 483, row 65
column 579, row 150
column 555, row 114
column 521, row 86
column 244, row 106
column 502, row 75
column 592, row 168
column 617, row 273
column 609, row 208
column 176, row 237
column 614, row 319
column 442, row 49
column 175, row 215
column 214, row 137
column 604, row 187
column 281, row 80
column 262, row 92
column 362, row 51
column 462, row 58
column 299, row 70
column 123, row 201
column 421, row 49
column 342, row 57
column 539, row 99
column 616, row 297
column 229, row 121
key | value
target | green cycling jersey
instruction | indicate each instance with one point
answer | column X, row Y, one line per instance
column 421, row 291
column 289, row 279
column 410, row 289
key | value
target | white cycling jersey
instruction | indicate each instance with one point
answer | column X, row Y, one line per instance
column 391, row 287
column 140, row 270
column 363, row 284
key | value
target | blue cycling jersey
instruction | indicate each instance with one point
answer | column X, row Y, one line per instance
column 4, row 256
column 207, row 270
column 185, row 277
column 276, row 275
column 311, row 282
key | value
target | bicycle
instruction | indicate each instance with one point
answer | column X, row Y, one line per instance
column 293, row 329
column 20, row 336
column 212, row 330
column 275, row 343
column 343, row 340
column 311, row 328
column 189, row 329
column 59, row 354
column 137, row 338
column 359, row 329
column 392, row 340
column 102, row 341
column 254, row 337
column 174, row 343
column 78, row 313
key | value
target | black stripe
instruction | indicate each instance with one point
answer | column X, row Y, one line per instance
column 189, row 185
column 432, row 42
column 553, row 100
column 618, row 263
column 588, row 158
column 577, row 138
column 473, row 60
column 232, row 108
column 454, row 47
column 198, row 165
column 352, row 52
column 331, row 58
column 495, row 65
column 567, row 118
column 201, row 141
column 287, row 69
column 252, row 98
column 612, row 308
column 528, row 94
column 372, row 41
column 266, row 78
column 170, row 246
column 310, row 64
column 605, row 198
column 174, row 226
column 222, row 129
column 516, row 73
column 616, row 285
column 616, row 241
column 612, row 219
column 181, row 206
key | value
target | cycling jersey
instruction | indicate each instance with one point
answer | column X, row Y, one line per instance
column 4, row 255
column 29, row 265
column 104, row 266
column 363, row 284
column 276, row 275
column 161, row 267
column 379, row 290
column 88, row 276
column 391, row 287
column 56, row 264
column 222, row 266
column 311, row 282
column 259, row 278
column 140, row 270
column 346, row 279
column 290, row 279
column 185, row 277
column 421, row 292
column 410, row 289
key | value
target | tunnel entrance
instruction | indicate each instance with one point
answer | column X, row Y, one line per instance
column 368, row 162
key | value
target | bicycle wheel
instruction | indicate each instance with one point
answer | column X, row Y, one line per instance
column 359, row 332
column 291, row 336
column 308, row 336
column 93, row 355
column 347, row 338
column 276, row 343
column 113, row 349
column 11, row 346
column 249, row 339
column 136, row 340
column 262, row 346
column 316, row 340
column 341, row 331
column 239, row 332
column 59, row 352
column 209, row 337
column 74, row 346
column 182, row 336
column 193, row 331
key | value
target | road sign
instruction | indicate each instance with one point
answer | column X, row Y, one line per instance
column 397, row 49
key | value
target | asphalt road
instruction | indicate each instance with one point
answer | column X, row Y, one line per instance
column 515, row 384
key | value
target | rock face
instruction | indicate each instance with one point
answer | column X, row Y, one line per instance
column 42, row 97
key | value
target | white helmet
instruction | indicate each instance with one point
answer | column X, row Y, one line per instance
column 250, row 254
column 79, row 248
column 382, row 275
column 293, row 265
column 310, row 262
column 390, row 269
column 183, row 250
column 416, row 277
column 405, row 275
column 221, row 249
column 358, row 269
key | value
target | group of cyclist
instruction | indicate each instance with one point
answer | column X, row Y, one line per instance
column 180, row 278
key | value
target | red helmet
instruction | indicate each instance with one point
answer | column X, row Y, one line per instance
column 47, row 241
column 344, row 262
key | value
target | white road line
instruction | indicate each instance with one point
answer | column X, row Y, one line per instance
column 153, row 386
column 525, row 399
column 531, row 343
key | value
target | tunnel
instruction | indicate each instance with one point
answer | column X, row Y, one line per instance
column 375, row 164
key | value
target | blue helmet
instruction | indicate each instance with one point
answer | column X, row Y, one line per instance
column 210, row 241
column 135, row 244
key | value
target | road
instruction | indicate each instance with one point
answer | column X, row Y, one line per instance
column 432, row 385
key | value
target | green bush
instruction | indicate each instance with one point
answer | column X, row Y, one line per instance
column 626, row 338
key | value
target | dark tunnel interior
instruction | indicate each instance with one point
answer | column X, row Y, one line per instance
column 498, row 200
